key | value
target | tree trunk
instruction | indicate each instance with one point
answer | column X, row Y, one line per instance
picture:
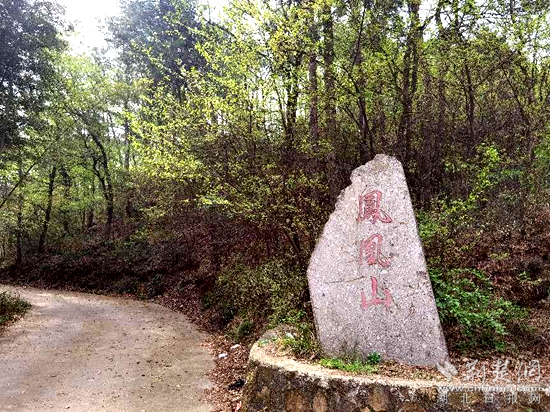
column 47, row 215
column 435, row 141
column 19, row 245
column 409, row 85
column 127, row 146
column 330, row 104
column 314, row 99
column 107, row 186
column 312, row 77
column 470, row 108
column 366, row 148
column 90, row 219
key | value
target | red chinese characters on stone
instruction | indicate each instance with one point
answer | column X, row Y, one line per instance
column 375, row 300
column 370, row 248
column 369, row 208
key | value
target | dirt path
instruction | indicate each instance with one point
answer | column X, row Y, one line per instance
column 81, row 352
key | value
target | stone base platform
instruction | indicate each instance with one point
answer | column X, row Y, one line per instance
column 277, row 384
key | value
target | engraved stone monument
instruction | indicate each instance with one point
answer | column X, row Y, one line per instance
column 367, row 277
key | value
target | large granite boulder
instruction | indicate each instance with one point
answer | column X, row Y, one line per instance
column 368, row 279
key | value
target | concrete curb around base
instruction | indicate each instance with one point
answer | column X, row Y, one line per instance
column 278, row 384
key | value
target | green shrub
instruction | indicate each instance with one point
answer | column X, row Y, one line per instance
column 11, row 307
column 302, row 342
column 275, row 289
column 242, row 330
column 466, row 301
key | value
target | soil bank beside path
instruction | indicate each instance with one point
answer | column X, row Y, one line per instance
column 83, row 352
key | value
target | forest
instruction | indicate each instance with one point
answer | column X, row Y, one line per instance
column 199, row 155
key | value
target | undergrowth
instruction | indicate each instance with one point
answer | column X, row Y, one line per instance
column 303, row 341
column 466, row 300
column 481, row 266
column 249, row 298
column 11, row 307
column 274, row 288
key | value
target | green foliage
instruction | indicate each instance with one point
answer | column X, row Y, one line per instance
column 11, row 307
column 242, row 330
column 263, row 342
column 525, row 279
column 431, row 227
column 255, row 118
column 274, row 288
column 304, row 345
column 353, row 364
column 30, row 40
column 484, row 172
column 466, row 301
column 302, row 342
column 541, row 179
column 452, row 226
column 153, row 36
column 374, row 358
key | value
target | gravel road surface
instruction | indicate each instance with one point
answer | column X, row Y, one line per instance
column 82, row 352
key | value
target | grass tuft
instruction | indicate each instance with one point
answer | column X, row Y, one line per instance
column 353, row 366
